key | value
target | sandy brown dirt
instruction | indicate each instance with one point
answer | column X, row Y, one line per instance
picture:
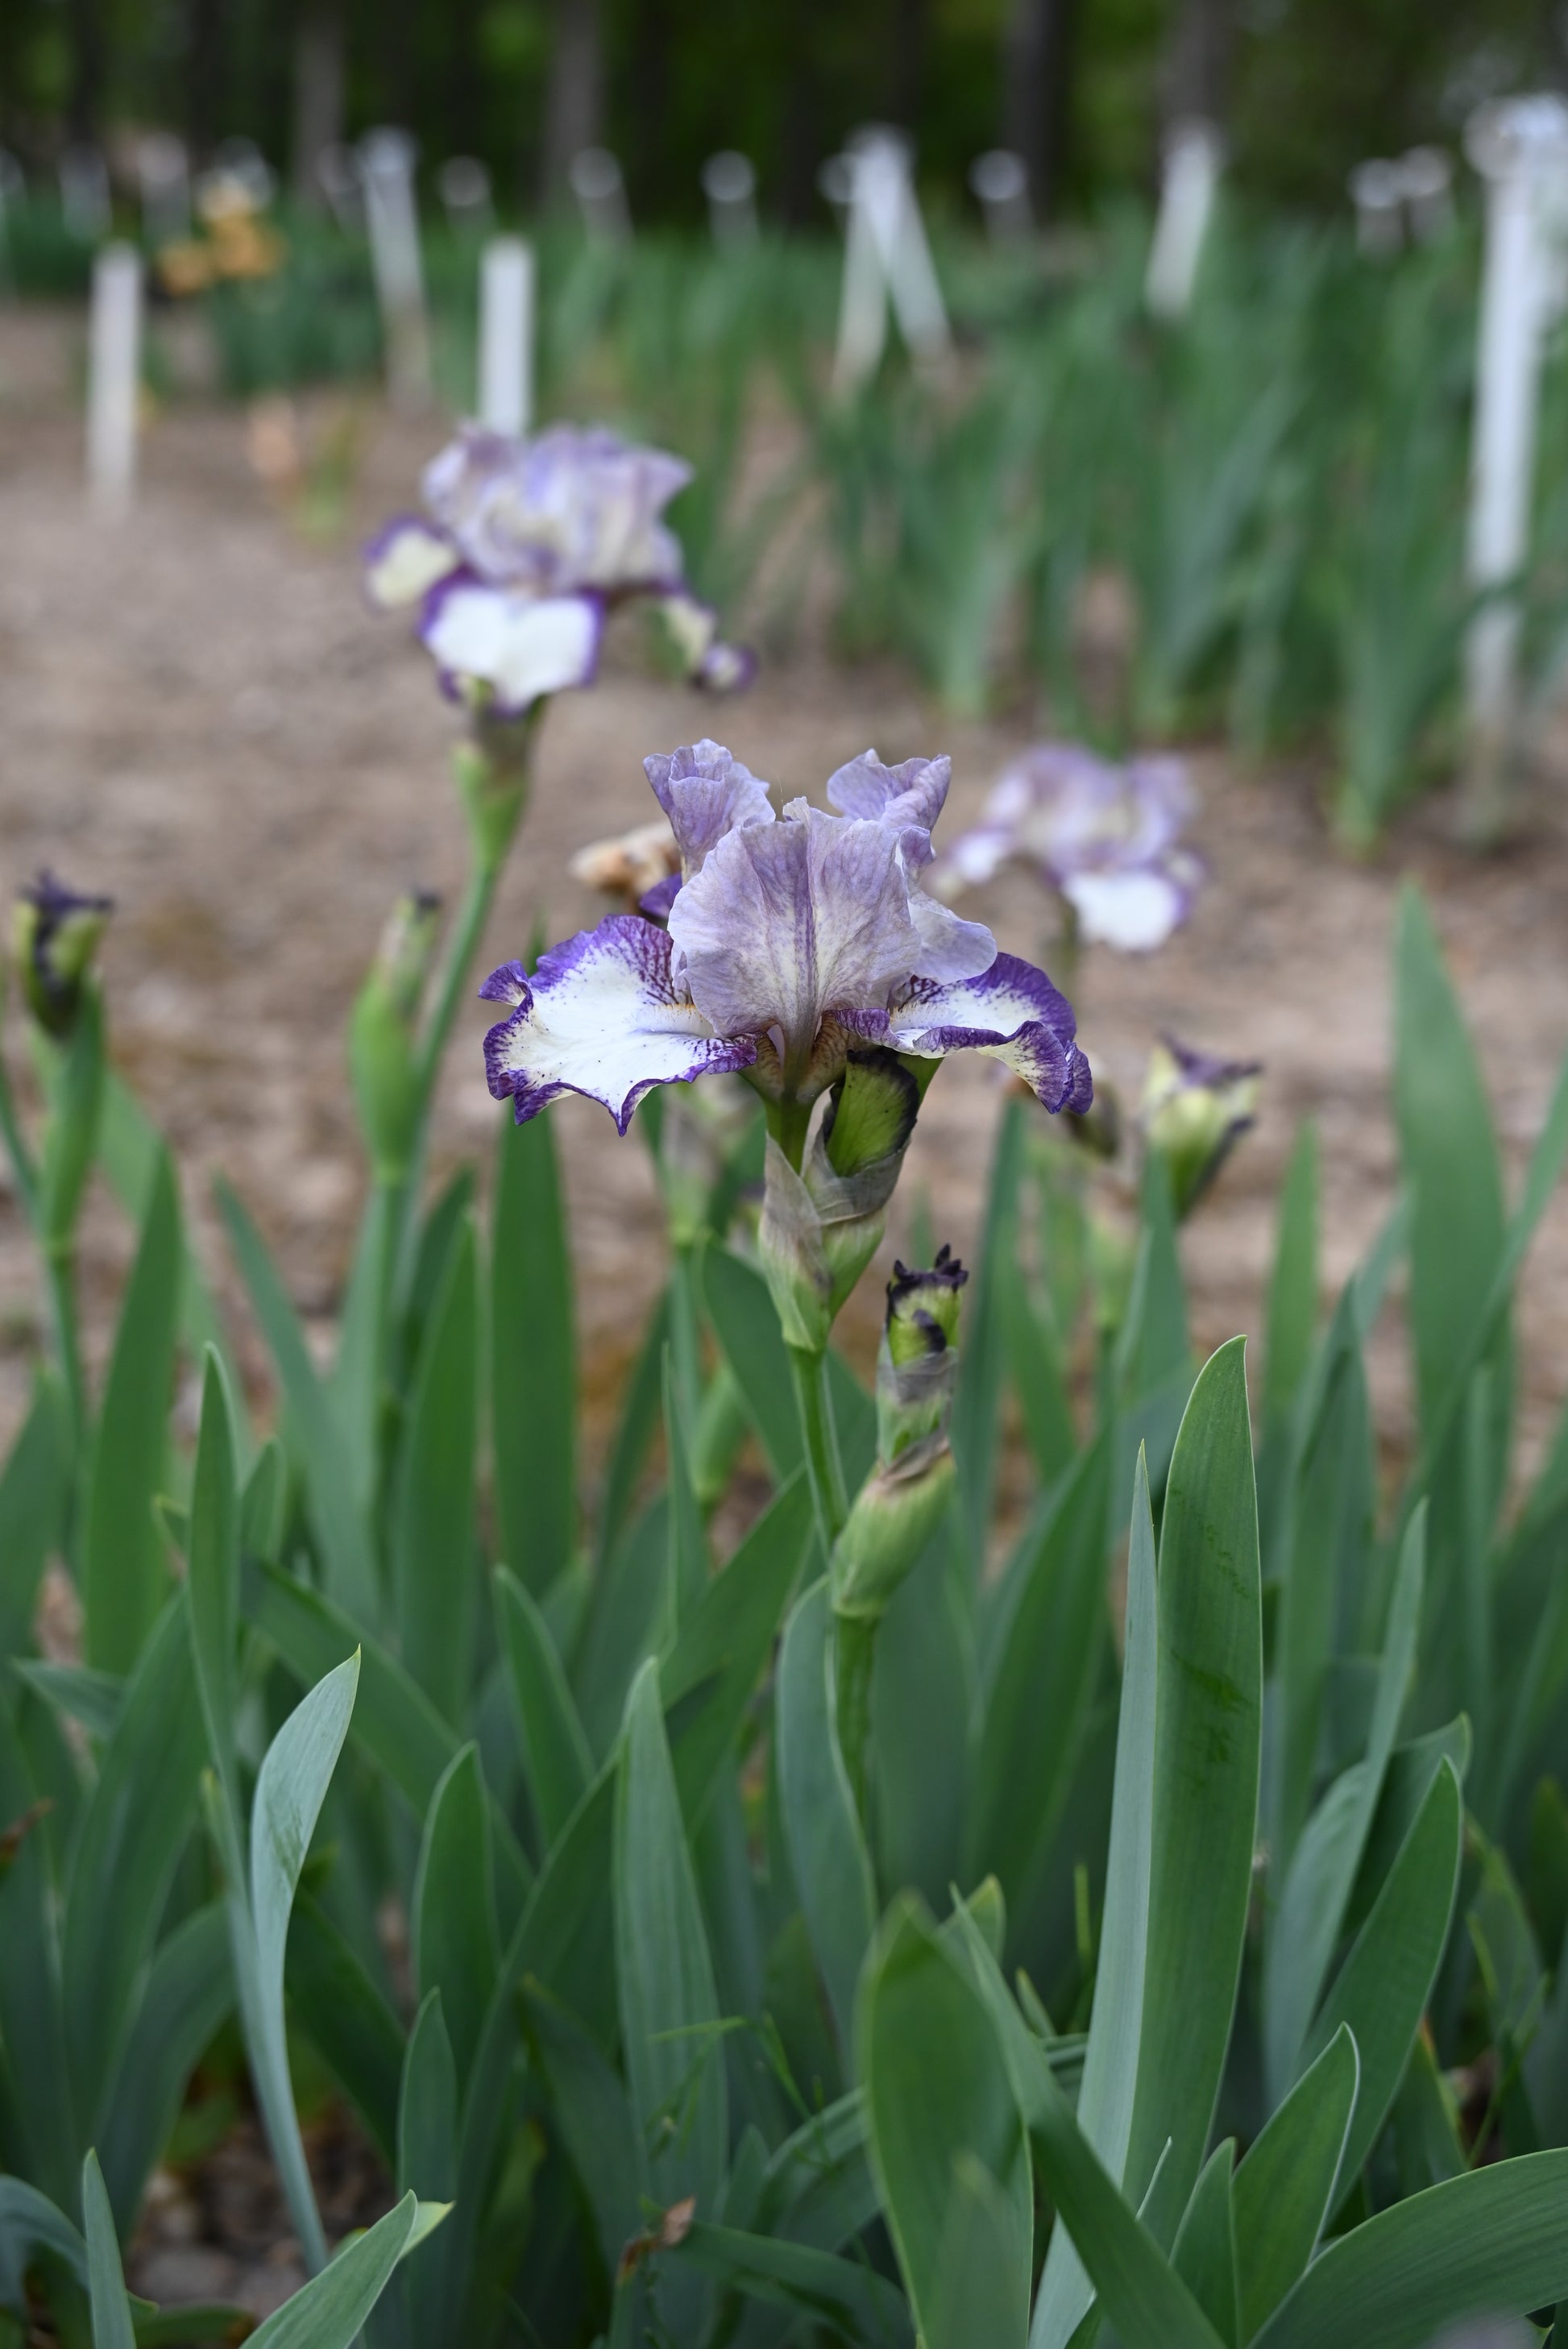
column 198, row 713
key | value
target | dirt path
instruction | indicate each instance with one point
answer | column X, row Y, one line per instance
column 198, row 713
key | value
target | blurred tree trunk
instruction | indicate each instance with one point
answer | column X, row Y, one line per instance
column 204, row 61
column 801, row 119
column 1195, row 74
column 399, row 41
column 85, row 102
column 575, row 103
column 318, row 95
column 1037, row 93
column 911, row 47
column 654, row 65
column 465, row 80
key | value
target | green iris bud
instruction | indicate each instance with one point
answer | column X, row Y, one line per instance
column 902, row 1500
column 54, row 934
column 1194, row 1111
column 383, row 1035
column 821, row 1227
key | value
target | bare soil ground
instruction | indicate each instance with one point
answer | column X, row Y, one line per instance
column 199, row 714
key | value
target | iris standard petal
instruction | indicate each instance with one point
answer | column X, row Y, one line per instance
column 1011, row 1013
column 705, row 792
column 519, row 646
column 787, row 921
column 912, row 794
column 404, row 560
column 602, row 1016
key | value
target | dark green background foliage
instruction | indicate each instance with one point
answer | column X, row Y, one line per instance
column 1316, row 84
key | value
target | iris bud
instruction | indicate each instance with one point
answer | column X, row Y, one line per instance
column 821, row 1227
column 902, row 1500
column 1194, row 1111
column 54, row 934
column 383, row 1037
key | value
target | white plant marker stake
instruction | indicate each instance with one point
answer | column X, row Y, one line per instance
column 595, row 180
column 387, row 162
column 114, row 378
column 1427, row 176
column 1378, row 192
column 1521, row 148
column 506, row 336
column 463, row 185
column 729, row 183
column 862, row 295
column 885, row 254
column 1001, row 181
column 1189, row 180
column 84, row 194
column 164, row 174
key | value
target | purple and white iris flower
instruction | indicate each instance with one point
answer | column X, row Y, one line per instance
column 1107, row 838
column 792, row 942
column 523, row 547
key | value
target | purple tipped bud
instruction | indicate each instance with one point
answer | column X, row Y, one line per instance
column 922, row 1309
column 54, row 933
column 1195, row 1108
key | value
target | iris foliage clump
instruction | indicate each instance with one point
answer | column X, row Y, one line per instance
column 834, row 1911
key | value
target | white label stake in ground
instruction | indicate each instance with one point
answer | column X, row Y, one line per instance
column 1378, row 192
column 1521, row 148
column 114, row 376
column 885, row 255
column 164, row 171
column 1001, row 181
column 729, row 183
column 386, row 163
column 506, row 336
column 1187, row 182
column 595, row 176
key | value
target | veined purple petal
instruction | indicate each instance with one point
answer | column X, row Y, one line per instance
column 1011, row 1013
column 705, row 792
column 404, row 560
column 912, row 794
column 602, row 1017
column 787, row 921
column 950, row 948
column 519, row 646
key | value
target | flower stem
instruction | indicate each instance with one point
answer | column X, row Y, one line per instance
column 854, row 1654
column 822, row 1464
column 467, row 932
column 60, row 1269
